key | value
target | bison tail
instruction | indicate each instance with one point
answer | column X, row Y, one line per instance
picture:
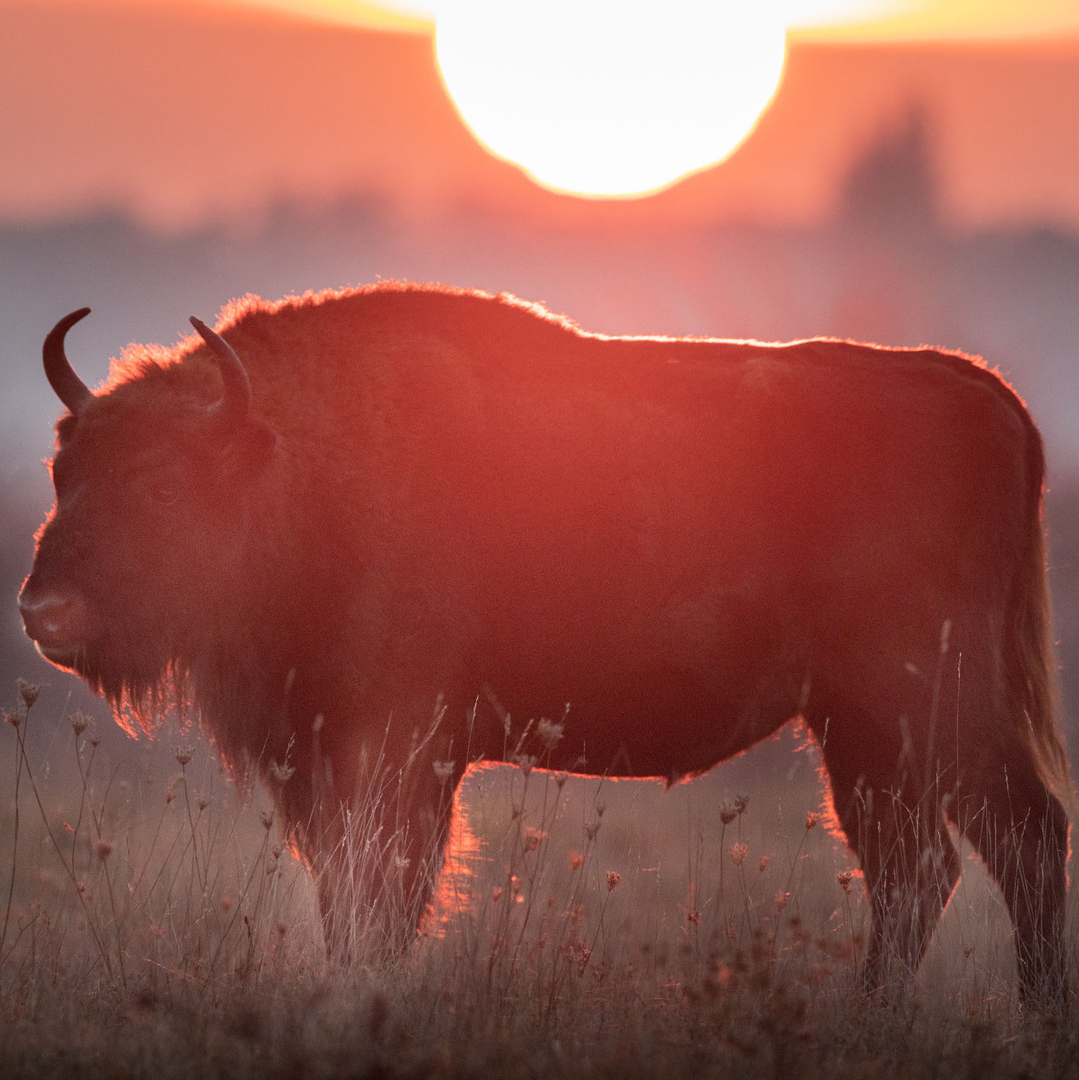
column 1030, row 661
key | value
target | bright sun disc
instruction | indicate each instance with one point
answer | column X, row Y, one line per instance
column 610, row 97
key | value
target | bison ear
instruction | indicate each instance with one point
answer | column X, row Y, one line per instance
column 249, row 450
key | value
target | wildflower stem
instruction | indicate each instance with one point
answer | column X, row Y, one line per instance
column 69, row 867
column 14, row 848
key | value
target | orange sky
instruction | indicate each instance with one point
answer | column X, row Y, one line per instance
column 191, row 111
column 834, row 19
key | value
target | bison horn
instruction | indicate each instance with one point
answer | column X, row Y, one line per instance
column 69, row 388
column 235, row 401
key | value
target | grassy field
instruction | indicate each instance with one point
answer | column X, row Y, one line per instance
column 153, row 927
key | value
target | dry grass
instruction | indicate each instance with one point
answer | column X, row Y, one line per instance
column 152, row 926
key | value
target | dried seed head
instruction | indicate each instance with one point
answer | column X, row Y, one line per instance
column 576, row 860
column 29, row 692
column 591, row 829
column 738, row 853
column 183, row 755
column 525, row 762
column 549, row 732
column 727, row 812
column 765, row 860
column 533, row 837
column 584, row 954
column 443, row 770
column 613, row 878
column 202, row 801
column 79, row 722
column 844, row 878
column 812, row 819
column 560, row 778
column 266, row 817
column 281, row 774
column 12, row 717
column 103, row 849
column 740, row 803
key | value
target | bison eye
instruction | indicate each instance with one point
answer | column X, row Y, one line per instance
column 161, row 487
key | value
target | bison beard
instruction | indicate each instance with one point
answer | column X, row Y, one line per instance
column 375, row 509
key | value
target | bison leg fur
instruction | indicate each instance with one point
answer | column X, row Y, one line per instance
column 374, row 854
column 1021, row 832
column 911, row 868
column 896, row 827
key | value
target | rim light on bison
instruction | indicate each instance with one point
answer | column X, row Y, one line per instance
column 338, row 516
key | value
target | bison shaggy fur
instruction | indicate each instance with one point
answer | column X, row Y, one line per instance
column 354, row 529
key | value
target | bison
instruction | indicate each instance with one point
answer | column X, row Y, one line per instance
column 353, row 530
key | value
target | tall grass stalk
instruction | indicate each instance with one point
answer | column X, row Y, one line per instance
column 155, row 926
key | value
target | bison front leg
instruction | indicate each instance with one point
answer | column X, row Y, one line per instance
column 371, row 837
column 374, row 884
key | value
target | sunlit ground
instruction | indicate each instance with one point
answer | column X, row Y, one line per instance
column 154, row 927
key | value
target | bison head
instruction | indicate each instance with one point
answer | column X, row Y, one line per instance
column 152, row 479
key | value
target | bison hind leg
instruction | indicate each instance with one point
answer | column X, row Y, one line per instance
column 911, row 869
column 1021, row 832
column 911, row 866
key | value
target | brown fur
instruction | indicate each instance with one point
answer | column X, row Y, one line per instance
column 442, row 498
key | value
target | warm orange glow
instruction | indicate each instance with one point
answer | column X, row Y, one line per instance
column 462, row 865
column 298, row 103
column 853, row 20
column 378, row 16
column 608, row 99
column 954, row 20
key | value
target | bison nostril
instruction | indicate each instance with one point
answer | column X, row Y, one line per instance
column 53, row 617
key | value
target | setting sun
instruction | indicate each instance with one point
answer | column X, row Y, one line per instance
column 605, row 99
column 624, row 98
